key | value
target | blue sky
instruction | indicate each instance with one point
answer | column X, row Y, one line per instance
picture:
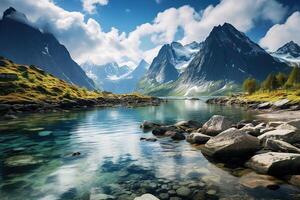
column 126, row 31
column 127, row 14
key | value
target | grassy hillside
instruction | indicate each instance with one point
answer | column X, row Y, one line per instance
column 272, row 96
column 28, row 84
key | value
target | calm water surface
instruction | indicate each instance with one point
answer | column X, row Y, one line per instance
column 36, row 159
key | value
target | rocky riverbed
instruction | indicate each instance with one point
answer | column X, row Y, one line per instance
column 269, row 150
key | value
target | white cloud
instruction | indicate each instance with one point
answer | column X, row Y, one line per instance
column 86, row 41
column 280, row 34
column 90, row 5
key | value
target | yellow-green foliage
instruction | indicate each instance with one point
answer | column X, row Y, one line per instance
column 35, row 85
column 263, row 96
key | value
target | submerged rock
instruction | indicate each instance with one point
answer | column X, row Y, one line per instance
column 178, row 136
column 254, row 180
column 149, row 125
column 183, row 191
column 146, row 197
column 197, row 138
column 188, row 126
column 150, row 139
column 216, row 124
column 231, row 143
column 21, row 161
column 281, row 146
column 275, row 163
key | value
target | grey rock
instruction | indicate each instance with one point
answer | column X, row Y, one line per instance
column 275, row 163
column 281, row 146
column 146, row 197
column 281, row 104
column 215, row 125
column 265, row 105
column 197, row 138
column 149, row 125
column 183, row 191
column 178, row 136
column 290, row 136
column 231, row 143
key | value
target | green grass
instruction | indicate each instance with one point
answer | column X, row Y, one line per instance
column 272, row 96
column 35, row 85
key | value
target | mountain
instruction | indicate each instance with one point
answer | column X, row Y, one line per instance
column 23, row 43
column 171, row 61
column 289, row 53
column 225, row 59
column 114, row 78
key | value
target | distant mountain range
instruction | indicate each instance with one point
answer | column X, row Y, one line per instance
column 221, row 63
column 288, row 53
column 25, row 44
column 114, row 78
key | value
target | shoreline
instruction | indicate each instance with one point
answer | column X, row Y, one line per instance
column 282, row 110
column 8, row 110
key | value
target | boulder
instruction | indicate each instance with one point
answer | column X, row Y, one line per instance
column 231, row 143
column 188, row 125
column 146, row 197
column 162, row 130
column 290, row 136
column 215, row 125
column 275, row 124
column 178, row 136
column 295, row 123
column 265, row 105
column 149, row 125
column 281, row 104
column 251, row 129
column 286, row 126
column 197, row 138
column 281, row 146
column 253, row 180
column 275, row 163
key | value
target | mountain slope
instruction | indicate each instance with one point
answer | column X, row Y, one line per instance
column 289, row 53
column 225, row 59
column 25, row 44
column 111, row 77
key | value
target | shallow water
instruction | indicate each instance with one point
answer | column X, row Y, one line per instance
column 37, row 163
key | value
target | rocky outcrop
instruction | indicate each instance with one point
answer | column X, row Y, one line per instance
column 275, row 163
column 231, row 143
column 216, row 124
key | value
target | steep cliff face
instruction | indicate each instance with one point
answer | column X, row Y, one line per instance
column 25, row 44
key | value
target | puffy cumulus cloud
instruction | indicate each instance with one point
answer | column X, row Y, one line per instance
column 242, row 14
column 90, row 5
column 87, row 42
column 280, row 34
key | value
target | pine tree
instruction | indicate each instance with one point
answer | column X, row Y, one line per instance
column 281, row 79
column 250, row 85
column 270, row 83
column 294, row 78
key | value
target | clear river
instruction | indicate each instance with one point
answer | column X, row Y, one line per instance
column 97, row 154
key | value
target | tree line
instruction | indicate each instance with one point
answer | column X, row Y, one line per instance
column 274, row 82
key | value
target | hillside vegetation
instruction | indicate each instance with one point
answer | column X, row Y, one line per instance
column 275, row 87
column 29, row 84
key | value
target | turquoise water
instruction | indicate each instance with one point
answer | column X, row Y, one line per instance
column 36, row 159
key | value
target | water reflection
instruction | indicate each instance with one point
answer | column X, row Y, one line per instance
column 112, row 160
